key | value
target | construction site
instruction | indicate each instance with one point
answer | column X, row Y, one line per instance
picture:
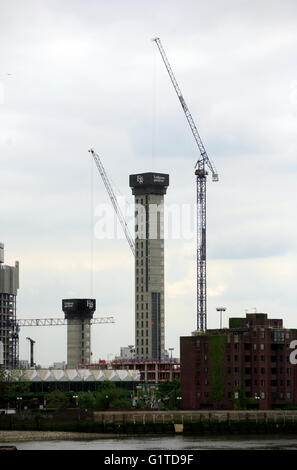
column 147, row 247
column 147, row 360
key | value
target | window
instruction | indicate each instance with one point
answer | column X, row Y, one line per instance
column 262, row 347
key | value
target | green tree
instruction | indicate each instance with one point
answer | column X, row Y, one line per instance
column 112, row 397
column 168, row 393
column 86, row 400
column 57, row 399
column 217, row 367
column 9, row 382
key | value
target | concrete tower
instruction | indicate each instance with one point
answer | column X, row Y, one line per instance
column 9, row 284
column 149, row 190
column 78, row 313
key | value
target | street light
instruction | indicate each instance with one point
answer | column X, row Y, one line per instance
column 19, row 401
column 76, row 401
column 221, row 309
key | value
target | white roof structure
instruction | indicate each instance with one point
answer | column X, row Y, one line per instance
column 60, row 375
column 73, row 375
column 46, row 375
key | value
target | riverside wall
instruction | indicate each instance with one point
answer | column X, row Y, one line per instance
column 157, row 422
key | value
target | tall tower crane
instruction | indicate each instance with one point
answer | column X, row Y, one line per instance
column 201, row 174
column 113, row 199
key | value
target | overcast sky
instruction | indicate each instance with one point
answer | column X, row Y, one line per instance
column 79, row 74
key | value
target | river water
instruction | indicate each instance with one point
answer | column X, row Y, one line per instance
column 177, row 443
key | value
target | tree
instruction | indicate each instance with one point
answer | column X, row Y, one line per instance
column 57, row 399
column 168, row 393
column 111, row 397
column 86, row 400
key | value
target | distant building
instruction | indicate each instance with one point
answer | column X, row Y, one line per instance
column 245, row 366
column 9, row 285
column 151, row 372
column 149, row 190
column 60, row 365
column 23, row 364
column 127, row 352
column 1, row 354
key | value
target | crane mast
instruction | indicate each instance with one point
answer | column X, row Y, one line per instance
column 113, row 199
column 201, row 174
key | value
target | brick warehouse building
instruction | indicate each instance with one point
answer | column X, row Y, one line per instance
column 244, row 366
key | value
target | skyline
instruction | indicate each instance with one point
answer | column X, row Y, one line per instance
column 83, row 75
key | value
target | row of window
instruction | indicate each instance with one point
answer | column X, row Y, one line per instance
column 138, row 325
column 248, row 370
column 141, row 351
column 256, row 358
column 248, row 358
column 142, row 315
column 142, row 306
column 6, row 297
column 140, row 332
column 262, row 395
column 248, row 383
column 138, row 342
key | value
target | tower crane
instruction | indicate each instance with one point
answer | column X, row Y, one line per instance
column 113, row 199
column 201, row 173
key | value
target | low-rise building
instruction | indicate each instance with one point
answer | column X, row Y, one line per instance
column 246, row 365
column 151, row 371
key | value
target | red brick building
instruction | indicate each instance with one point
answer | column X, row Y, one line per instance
column 151, row 371
column 246, row 365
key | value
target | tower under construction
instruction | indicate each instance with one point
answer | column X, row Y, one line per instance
column 78, row 313
column 149, row 190
column 9, row 338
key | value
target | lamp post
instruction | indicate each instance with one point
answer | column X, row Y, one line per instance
column 221, row 309
column 19, row 401
column 76, row 401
